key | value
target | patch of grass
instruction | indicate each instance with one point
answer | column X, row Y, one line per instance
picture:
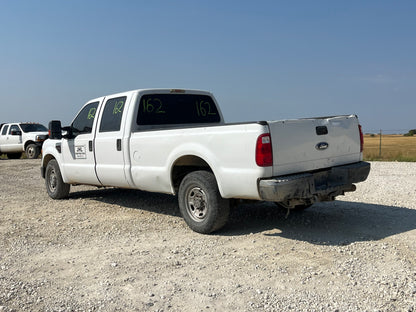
column 393, row 148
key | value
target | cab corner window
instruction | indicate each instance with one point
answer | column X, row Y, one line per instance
column 5, row 130
column 85, row 119
column 113, row 111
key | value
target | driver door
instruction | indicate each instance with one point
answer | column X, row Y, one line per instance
column 78, row 152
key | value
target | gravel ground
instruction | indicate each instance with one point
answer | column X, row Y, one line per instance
column 125, row 250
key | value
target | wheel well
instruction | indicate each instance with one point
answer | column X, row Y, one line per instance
column 185, row 165
column 28, row 142
column 46, row 160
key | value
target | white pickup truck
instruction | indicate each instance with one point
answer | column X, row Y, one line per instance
column 16, row 138
column 175, row 141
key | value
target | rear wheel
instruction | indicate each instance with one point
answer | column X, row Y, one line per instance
column 201, row 204
column 14, row 155
column 56, row 187
column 32, row 151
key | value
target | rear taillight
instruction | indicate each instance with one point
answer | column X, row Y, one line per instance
column 264, row 153
column 361, row 139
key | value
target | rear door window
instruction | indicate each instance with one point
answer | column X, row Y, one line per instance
column 113, row 111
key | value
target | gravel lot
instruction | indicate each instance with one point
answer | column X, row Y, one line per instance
column 125, row 250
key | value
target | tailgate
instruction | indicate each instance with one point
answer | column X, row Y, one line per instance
column 308, row 144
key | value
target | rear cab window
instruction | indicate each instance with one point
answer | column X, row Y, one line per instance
column 171, row 109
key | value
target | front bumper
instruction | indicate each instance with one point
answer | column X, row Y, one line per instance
column 310, row 187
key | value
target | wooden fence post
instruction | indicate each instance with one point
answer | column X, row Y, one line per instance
column 379, row 149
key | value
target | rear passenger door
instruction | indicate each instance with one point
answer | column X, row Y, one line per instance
column 109, row 145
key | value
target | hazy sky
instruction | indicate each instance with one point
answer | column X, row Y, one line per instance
column 263, row 60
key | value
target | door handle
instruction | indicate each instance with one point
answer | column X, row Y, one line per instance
column 90, row 146
column 118, row 144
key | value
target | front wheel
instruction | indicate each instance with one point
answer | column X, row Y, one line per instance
column 201, row 204
column 32, row 151
column 56, row 187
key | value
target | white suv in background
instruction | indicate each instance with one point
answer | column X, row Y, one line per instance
column 16, row 138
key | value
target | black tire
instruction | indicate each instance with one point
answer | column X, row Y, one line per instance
column 56, row 187
column 32, row 151
column 201, row 204
column 14, row 155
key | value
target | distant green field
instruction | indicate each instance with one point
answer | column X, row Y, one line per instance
column 393, row 148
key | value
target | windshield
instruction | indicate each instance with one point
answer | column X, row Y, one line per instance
column 33, row 127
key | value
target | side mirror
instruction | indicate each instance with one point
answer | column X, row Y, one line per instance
column 55, row 130
column 69, row 134
column 16, row 132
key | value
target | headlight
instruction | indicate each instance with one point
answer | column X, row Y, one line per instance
column 41, row 138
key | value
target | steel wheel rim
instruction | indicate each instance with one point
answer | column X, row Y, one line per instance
column 196, row 203
column 52, row 181
column 30, row 152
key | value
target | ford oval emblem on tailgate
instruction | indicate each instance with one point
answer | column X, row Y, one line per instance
column 321, row 146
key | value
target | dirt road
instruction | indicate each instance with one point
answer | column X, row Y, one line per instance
column 125, row 250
